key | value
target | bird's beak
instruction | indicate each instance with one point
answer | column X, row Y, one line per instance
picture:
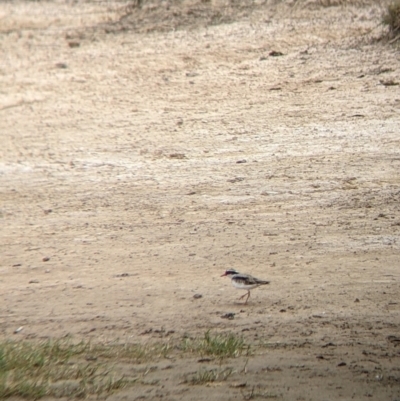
column 223, row 275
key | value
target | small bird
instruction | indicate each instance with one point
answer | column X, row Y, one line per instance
column 244, row 282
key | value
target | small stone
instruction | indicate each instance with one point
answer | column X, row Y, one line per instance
column 229, row 316
column 73, row 44
column 33, row 281
column 239, row 385
column 201, row 360
column 177, row 156
column 274, row 53
column 329, row 345
column 356, row 300
column 389, row 82
column 61, row 65
column 236, row 179
column 46, row 259
column 197, row 296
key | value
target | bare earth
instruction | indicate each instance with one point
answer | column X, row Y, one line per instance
column 140, row 158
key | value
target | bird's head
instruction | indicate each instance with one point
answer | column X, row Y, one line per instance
column 230, row 272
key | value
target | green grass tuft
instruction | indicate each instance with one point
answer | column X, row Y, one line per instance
column 62, row 369
column 392, row 18
column 204, row 376
column 219, row 345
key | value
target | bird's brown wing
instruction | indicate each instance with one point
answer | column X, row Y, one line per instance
column 249, row 280
column 261, row 282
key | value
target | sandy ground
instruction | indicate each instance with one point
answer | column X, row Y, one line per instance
column 139, row 160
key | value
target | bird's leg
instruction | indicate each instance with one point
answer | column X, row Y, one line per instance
column 248, row 296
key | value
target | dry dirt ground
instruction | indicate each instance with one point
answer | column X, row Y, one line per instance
column 141, row 156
